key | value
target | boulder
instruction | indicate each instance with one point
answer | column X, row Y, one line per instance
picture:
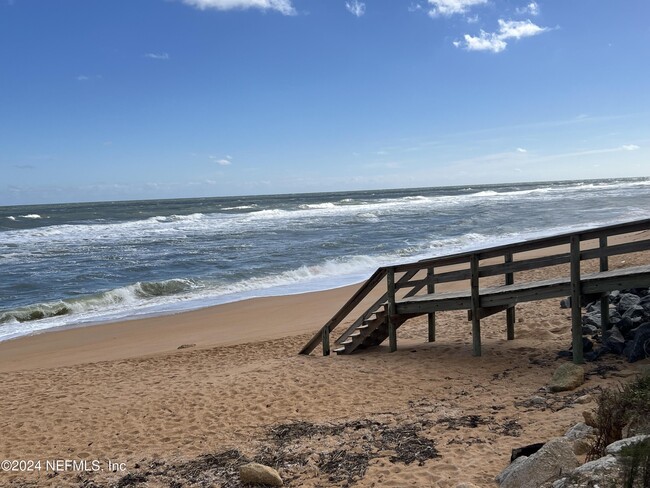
column 555, row 458
column 568, row 376
column 627, row 300
column 639, row 347
column 580, row 431
column 582, row 437
column 614, row 341
column 593, row 473
column 615, row 448
column 258, row 474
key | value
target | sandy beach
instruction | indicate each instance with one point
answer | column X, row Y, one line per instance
column 184, row 398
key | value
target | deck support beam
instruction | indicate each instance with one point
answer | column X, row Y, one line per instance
column 476, row 321
column 510, row 311
column 326, row 341
column 431, row 317
column 576, row 310
column 604, row 299
column 392, row 330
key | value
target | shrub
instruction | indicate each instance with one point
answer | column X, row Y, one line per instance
column 628, row 405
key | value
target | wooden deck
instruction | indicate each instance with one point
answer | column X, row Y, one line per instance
column 411, row 287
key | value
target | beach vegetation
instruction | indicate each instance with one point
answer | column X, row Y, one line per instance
column 625, row 407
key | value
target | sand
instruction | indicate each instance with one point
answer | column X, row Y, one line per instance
column 429, row 415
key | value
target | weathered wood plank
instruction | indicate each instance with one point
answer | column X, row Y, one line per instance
column 359, row 295
column 604, row 299
column 510, row 267
column 431, row 317
column 576, row 310
column 392, row 329
column 476, row 304
column 604, row 250
column 510, row 311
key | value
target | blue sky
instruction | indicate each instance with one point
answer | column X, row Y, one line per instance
column 123, row 99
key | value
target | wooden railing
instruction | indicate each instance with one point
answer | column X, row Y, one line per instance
column 408, row 279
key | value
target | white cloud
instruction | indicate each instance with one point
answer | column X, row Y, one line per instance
column 496, row 41
column 227, row 161
column 451, row 7
column 89, row 77
column 630, row 147
column 532, row 8
column 355, row 7
column 160, row 56
column 521, row 150
column 283, row 6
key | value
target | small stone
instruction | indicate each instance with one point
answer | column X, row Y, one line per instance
column 583, row 399
column 186, row 346
column 590, row 420
column 258, row 474
column 568, row 376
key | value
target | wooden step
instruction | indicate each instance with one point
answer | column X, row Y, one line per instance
column 339, row 349
column 356, row 333
column 347, row 341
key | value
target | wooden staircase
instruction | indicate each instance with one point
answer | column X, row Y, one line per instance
column 404, row 283
column 372, row 331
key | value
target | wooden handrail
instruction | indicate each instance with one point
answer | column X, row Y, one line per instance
column 475, row 271
column 338, row 317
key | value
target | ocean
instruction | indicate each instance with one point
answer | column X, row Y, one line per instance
column 85, row 263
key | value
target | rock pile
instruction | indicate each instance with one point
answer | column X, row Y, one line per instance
column 555, row 464
column 628, row 331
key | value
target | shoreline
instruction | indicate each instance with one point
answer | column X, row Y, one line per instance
column 250, row 320
column 245, row 321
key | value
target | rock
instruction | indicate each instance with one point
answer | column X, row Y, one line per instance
column 589, row 329
column 594, row 473
column 568, row 376
column 614, row 340
column 581, row 436
column 590, row 420
column 258, row 474
column 639, row 347
column 636, row 313
column 625, row 326
column 553, row 459
column 615, row 448
column 537, row 400
column 644, row 370
column 592, row 318
column 627, row 300
column 580, row 431
column 565, row 302
column 583, row 399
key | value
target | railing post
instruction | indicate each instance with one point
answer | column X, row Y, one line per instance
column 476, row 321
column 431, row 288
column 510, row 312
column 576, row 310
column 604, row 299
column 392, row 332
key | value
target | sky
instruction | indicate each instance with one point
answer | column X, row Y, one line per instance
column 122, row 99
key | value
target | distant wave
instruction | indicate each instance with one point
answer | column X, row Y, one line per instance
column 120, row 297
column 31, row 216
